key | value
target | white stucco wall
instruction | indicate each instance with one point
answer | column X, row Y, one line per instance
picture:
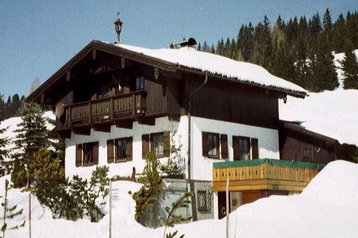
column 201, row 167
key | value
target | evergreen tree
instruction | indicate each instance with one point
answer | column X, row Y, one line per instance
column 339, row 34
column 220, row 47
column 31, row 135
column 352, row 29
column 315, row 28
column 2, row 107
column 9, row 212
column 245, row 41
column 3, row 143
column 350, row 68
column 149, row 195
column 328, row 27
column 324, row 76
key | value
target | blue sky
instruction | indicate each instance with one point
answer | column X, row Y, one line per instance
column 39, row 36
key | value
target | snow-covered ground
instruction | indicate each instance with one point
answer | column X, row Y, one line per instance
column 328, row 207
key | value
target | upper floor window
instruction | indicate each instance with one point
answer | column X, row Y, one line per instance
column 87, row 154
column 119, row 150
column 212, row 143
column 158, row 143
column 137, row 83
column 245, row 148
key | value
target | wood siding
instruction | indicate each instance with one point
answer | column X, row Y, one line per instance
column 299, row 147
column 233, row 102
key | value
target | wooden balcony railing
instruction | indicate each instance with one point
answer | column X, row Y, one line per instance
column 263, row 174
column 128, row 106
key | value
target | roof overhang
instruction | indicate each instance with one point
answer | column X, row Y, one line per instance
column 302, row 130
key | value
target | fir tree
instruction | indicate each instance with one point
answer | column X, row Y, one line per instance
column 149, row 194
column 2, row 107
column 31, row 136
column 328, row 27
column 9, row 212
column 3, row 143
column 350, row 68
column 324, row 76
column 339, row 34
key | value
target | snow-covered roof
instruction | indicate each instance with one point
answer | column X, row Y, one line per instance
column 220, row 66
column 330, row 113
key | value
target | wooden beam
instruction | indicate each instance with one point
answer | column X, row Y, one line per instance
column 127, row 124
column 86, row 130
column 102, row 127
column 150, row 121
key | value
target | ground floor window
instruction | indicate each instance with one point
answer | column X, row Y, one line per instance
column 158, row 143
column 214, row 144
column 86, row 154
column 245, row 148
column 204, row 201
column 119, row 150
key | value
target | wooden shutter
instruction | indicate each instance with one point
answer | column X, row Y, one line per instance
column 110, row 151
column 166, row 143
column 129, row 151
column 145, row 145
column 78, row 160
column 204, row 136
column 224, row 146
column 95, row 152
column 255, row 148
column 236, row 147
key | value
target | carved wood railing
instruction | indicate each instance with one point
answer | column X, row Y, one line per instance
column 115, row 108
column 264, row 174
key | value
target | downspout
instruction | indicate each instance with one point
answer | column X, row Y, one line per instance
column 191, row 185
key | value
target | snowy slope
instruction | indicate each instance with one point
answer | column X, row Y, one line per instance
column 330, row 113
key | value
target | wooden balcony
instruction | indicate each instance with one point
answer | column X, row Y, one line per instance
column 264, row 174
column 106, row 111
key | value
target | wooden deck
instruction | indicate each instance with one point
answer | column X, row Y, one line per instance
column 263, row 174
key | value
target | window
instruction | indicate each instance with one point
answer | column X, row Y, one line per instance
column 87, row 154
column 306, row 154
column 211, row 145
column 119, row 150
column 158, row 143
column 137, row 83
column 204, row 201
column 245, row 148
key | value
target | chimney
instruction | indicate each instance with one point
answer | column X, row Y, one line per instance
column 186, row 44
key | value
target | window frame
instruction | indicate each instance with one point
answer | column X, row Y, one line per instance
column 219, row 144
column 82, row 151
column 113, row 150
column 150, row 145
column 252, row 150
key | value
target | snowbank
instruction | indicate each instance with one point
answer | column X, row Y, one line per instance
column 328, row 207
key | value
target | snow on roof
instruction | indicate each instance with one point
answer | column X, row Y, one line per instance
column 330, row 113
column 219, row 65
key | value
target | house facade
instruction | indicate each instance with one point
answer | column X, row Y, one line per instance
column 114, row 103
